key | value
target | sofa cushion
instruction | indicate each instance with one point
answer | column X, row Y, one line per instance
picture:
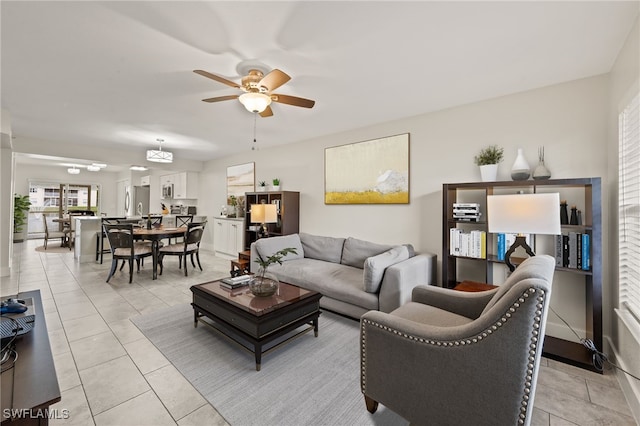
column 355, row 251
column 268, row 246
column 322, row 248
column 333, row 280
column 375, row 266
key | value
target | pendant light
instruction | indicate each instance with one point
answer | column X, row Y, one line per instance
column 158, row 155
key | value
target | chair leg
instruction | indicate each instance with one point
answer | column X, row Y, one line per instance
column 179, row 262
column 138, row 263
column 130, row 271
column 114, row 264
column 122, row 266
column 45, row 243
column 185, row 266
column 198, row 259
column 160, row 256
column 192, row 262
column 372, row 405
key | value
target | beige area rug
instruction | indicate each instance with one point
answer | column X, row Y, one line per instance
column 53, row 247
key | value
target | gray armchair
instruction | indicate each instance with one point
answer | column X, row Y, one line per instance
column 452, row 358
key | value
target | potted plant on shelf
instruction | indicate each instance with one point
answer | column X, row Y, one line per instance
column 276, row 184
column 21, row 206
column 262, row 186
column 263, row 283
column 488, row 160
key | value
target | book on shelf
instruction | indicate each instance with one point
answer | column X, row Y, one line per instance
column 573, row 250
column 468, row 244
column 505, row 240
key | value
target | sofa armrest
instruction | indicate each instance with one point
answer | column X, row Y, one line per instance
column 253, row 266
column 467, row 304
column 400, row 279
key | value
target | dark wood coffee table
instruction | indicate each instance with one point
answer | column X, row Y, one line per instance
column 252, row 321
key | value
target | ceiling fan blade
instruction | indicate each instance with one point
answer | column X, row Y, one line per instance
column 267, row 112
column 221, row 98
column 274, row 79
column 293, row 100
column 217, row 78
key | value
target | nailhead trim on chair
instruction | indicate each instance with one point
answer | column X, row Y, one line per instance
column 532, row 351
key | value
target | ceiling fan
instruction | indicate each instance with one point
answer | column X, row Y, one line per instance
column 258, row 91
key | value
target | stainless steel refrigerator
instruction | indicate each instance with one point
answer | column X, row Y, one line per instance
column 139, row 201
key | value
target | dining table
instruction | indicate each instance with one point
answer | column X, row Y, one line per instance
column 155, row 235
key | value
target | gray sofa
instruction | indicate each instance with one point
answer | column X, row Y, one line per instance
column 354, row 276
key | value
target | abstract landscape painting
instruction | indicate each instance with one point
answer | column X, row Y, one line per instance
column 371, row 172
column 240, row 179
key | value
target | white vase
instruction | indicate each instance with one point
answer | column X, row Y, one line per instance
column 489, row 172
column 520, row 169
column 275, row 187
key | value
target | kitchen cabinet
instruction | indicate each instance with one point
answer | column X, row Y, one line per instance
column 184, row 185
column 228, row 237
column 145, row 180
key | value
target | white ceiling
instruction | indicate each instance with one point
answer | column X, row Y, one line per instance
column 119, row 74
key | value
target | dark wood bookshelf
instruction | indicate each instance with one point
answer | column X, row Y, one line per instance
column 590, row 189
column 288, row 213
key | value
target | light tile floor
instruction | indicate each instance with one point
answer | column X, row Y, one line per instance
column 110, row 374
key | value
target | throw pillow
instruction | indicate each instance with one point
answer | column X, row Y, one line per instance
column 355, row 251
column 328, row 249
column 375, row 266
column 268, row 246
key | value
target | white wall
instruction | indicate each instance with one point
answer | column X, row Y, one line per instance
column 6, row 196
column 569, row 119
column 625, row 334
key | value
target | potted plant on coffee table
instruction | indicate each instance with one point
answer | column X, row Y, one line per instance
column 263, row 283
column 488, row 159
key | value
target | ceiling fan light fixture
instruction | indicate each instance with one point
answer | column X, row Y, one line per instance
column 73, row 170
column 255, row 102
column 158, row 155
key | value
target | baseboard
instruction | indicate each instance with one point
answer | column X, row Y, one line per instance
column 628, row 334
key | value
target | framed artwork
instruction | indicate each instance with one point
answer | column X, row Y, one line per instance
column 240, row 179
column 370, row 172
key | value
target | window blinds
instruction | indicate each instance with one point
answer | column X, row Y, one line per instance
column 629, row 207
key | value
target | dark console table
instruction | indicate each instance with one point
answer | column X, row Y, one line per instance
column 31, row 386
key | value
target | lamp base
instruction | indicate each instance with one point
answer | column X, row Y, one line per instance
column 520, row 241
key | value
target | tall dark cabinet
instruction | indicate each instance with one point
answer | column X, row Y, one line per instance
column 288, row 203
column 586, row 193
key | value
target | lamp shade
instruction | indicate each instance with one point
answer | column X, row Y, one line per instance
column 255, row 102
column 158, row 156
column 524, row 213
column 264, row 213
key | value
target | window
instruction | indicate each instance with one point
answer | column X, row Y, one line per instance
column 629, row 207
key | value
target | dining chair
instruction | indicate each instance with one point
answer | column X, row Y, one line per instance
column 101, row 236
column 122, row 246
column 182, row 220
column 52, row 234
column 156, row 220
column 189, row 247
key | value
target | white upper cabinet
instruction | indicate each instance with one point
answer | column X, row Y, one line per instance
column 185, row 185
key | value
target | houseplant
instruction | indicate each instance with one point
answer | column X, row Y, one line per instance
column 21, row 206
column 262, row 186
column 263, row 283
column 276, row 184
column 488, row 159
